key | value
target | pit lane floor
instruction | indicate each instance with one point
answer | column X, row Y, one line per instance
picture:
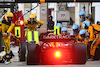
column 16, row 63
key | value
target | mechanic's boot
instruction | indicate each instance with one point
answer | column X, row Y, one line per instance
column 2, row 54
column 91, row 58
column 7, row 62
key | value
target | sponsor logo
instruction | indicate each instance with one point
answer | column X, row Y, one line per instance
column 56, row 37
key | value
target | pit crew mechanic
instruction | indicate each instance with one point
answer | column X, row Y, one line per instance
column 64, row 31
column 83, row 34
column 93, row 33
column 90, row 32
column 95, row 46
column 75, row 33
column 6, row 26
column 31, row 24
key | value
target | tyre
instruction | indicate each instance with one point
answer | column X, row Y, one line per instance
column 33, row 54
column 22, row 51
column 79, row 53
column 1, row 42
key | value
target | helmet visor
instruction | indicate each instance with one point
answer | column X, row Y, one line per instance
column 83, row 35
column 10, row 18
column 32, row 19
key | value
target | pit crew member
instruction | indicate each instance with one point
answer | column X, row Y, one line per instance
column 6, row 26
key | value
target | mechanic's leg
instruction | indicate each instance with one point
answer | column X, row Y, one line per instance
column 1, row 55
column 7, row 44
column 88, row 49
column 7, row 49
column 94, row 45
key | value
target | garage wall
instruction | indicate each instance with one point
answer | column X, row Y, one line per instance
column 27, row 6
column 72, row 13
column 1, row 10
column 43, row 17
column 93, row 13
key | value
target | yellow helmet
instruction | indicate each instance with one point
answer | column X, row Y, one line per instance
column 31, row 16
column 35, row 14
column 8, row 14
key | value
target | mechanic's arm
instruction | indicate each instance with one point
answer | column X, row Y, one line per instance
column 96, row 27
column 80, row 39
column 91, row 33
column 25, row 22
column 40, row 22
column 81, row 25
column 12, row 35
column 10, row 28
column 86, row 42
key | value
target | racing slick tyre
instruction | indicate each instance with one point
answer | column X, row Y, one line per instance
column 79, row 53
column 32, row 54
column 22, row 51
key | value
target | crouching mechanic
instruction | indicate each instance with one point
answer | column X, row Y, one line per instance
column 95, row 46
column 83, row 34
column 6, row 26
column 64, row 31
column 91, row 32
column 75, row 33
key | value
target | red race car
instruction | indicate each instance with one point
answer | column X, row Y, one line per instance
column 54, row 49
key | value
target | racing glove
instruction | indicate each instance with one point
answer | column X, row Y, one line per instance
column 40, row 25
column 14, row 37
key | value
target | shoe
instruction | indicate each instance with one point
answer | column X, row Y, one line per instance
column 90, row 59
column 7, row 62
column 3, row 53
